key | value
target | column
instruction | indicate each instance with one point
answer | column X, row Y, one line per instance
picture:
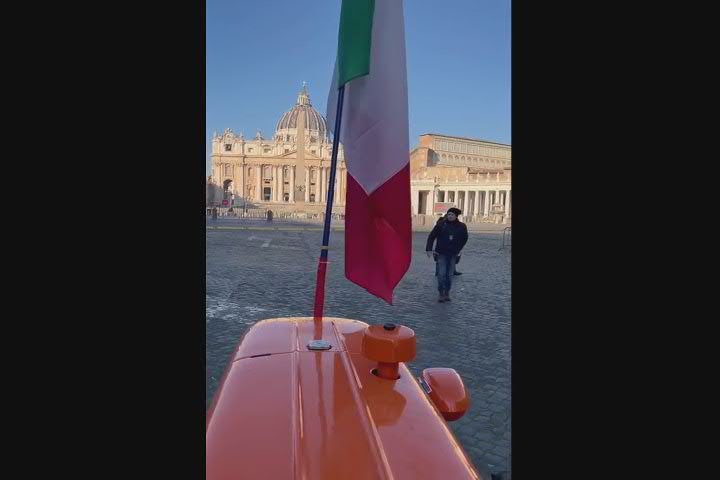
column 258, row 170
column 292, row 184
column 338, row 183
column 507, row 203
column 327, row 187
column 281, row 177
column 307, row 184
column 273, row 196
column 323, row 187
column 280, row 183
column 486, row 198
column 342, row 187
column 476, row 210
column 335, row 187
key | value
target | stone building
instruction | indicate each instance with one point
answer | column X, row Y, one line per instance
column 473, row 175
column 287, row 172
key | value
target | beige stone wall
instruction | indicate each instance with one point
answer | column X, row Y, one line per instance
column 481, row 186
column 461, row 151
column 255, row 165
column 478, row 180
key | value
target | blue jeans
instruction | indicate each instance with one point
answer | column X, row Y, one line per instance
column 444, row 268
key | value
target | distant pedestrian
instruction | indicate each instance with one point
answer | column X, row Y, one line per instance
column 449, row 236
column 214, row 213
column 269, row 215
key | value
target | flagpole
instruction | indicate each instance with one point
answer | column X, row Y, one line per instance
column 322, row 263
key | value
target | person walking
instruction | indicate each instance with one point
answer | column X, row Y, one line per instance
column 449, row 237
column 457, row 259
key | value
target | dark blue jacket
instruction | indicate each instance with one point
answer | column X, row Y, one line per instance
column 451, row 237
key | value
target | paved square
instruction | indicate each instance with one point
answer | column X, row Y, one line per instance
column 258, row 274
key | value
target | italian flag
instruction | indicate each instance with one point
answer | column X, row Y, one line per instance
column 374, row 133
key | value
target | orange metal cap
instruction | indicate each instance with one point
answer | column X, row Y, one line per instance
column 389, row 343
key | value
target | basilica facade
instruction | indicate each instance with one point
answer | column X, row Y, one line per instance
column 288, row 172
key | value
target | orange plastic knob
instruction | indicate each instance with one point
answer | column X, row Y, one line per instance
column 388, row 345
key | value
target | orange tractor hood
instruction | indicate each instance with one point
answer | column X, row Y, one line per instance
column 284, row 411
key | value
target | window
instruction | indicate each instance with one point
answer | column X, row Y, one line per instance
column 312, row 198
column 250, row 150
column 266, row 150
column 228, row 147
column 313, row 139
column 286, row 197
column 228, row 170
column 287, row 150
column 266, row 194
column 313, row 152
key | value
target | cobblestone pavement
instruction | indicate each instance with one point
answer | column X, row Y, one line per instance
column 252, row 275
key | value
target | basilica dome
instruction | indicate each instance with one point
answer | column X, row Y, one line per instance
column 314, row 122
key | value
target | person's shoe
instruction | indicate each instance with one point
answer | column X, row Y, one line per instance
column 447, row 296
column 457, row 273
column 441, row 298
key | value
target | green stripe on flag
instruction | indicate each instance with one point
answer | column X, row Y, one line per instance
column 353, row 59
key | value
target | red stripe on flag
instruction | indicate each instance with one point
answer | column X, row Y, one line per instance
column 378, row 234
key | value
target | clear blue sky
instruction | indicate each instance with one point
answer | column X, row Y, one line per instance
column 458, row 59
